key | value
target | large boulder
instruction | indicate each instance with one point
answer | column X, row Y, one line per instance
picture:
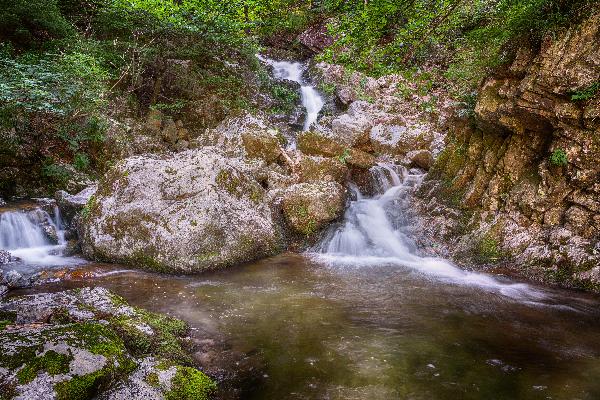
column 400, row 139
column 195, row 211
column 308, row 207
column 322, row 169
column 245, row 135
column 318, row 144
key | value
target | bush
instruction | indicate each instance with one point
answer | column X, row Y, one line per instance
column 30, row 23
column 559, row 158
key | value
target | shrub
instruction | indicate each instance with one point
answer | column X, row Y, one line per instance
column 558, row 158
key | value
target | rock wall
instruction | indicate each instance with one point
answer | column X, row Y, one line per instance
column 523, row 182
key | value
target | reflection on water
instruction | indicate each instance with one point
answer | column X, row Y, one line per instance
column 387, row 332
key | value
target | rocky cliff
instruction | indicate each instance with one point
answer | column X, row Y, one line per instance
column 521, row 181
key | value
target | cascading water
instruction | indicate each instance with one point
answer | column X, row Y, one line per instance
column 23, row 236
column 311, row 100
column 373, row 233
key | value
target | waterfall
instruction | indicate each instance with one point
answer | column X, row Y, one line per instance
column 373, row 232
column 311, row 100
column 27, row 236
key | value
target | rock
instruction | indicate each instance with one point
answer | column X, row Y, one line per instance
column 70, row 205
column 5, row 257
column 420, row 158
column 527, row 174
column 89, row 342
column 3, row 290
column 262, row 144
column 169, row 131
column 316, row 38
column 399, row 139
column 246, row 135
column 194, row 211
column 2, row 202
column 322, row 169
column 181, row 145
column 314, row 143
column 351, row 129
column 308, row 207
column 14, row 280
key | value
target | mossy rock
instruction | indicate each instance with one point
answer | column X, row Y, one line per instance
column 94, row 341
column 308, row 207
column 75, row 361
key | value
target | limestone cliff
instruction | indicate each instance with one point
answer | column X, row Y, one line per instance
column 524, row 176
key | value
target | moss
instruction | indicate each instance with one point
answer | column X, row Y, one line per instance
column 164, row 342
column 152, row 379
column 488, row 250
column 90, row 208
column 79, row 387
column 304, row 222
column 4, row 323
column 142, row 259
column 190, row 384
column 136, row 341
column 52, row 362
column 10, row 316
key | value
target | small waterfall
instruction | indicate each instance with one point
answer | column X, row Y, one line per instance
column 311, row 100
column 374, row 233
column 34, row 237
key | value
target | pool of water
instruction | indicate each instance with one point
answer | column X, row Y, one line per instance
column 328, row 331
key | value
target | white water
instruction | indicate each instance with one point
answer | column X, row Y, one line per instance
column 371, row 235
column 311, row 100
column 22, row 235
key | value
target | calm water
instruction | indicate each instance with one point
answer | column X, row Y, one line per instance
column 383, row 332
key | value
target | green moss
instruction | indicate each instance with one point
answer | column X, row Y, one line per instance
column 164, row 343
column 4, row 323
column 136, row 341
column 142, row 259
column 488, row 250
column 190, row 384
column 90, row 207
column 52, row 362
column 152, row 379
column 305, row 223
column 79, row 387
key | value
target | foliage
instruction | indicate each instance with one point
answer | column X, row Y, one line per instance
column 559, row 158
column 469, row 37
column 587, row 93
column 344, row 156
column 29, row 23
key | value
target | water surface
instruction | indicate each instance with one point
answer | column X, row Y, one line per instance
column 382, row 332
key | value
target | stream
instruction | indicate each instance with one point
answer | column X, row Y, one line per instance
column 363, row 314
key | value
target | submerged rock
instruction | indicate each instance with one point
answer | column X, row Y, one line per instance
column 191, row 212
column 89, row 343
column 309, row 206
